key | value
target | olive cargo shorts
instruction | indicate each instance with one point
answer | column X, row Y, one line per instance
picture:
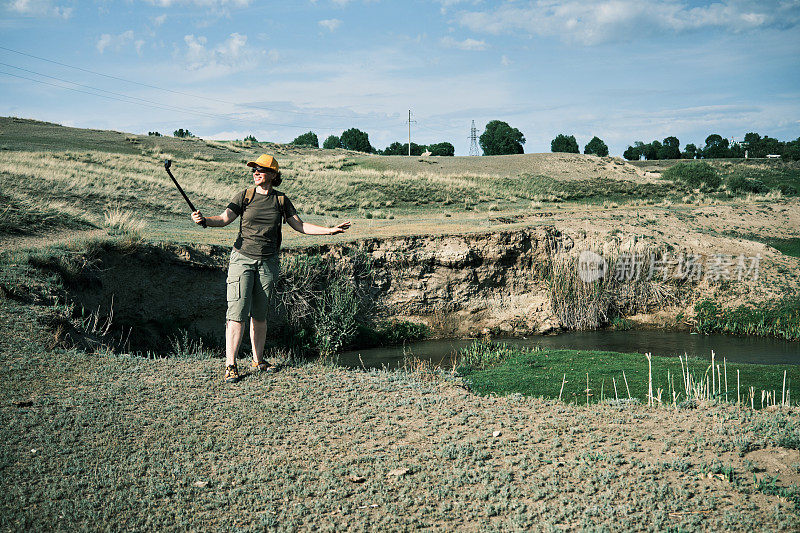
column 251, row 286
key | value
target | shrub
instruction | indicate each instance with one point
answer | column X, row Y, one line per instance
column 743, row 184
column 324, row 300
column 693, row 174
column 357, row 140
column 596, row 146
column 250, row 139
column 397, row 148
column 442, row 148
column 307, row 139
column 335, row 318
column 332, row 142
column 180, row 132
column 564, row 143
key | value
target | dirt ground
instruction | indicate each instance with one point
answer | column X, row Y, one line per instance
column 126, row 443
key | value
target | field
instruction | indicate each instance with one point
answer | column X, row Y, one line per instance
column 100, row 438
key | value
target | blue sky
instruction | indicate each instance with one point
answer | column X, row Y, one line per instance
column 624, row 70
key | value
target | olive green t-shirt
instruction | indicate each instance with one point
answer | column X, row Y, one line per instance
column 260, row 235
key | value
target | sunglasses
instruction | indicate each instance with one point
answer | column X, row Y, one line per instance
column 262, row 170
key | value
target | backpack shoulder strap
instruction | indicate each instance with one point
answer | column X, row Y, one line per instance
column 281, row 204
column 248, row 197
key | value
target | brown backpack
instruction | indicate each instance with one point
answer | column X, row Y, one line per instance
column 248, row 197
column 251, row 192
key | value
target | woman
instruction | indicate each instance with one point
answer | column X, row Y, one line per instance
column 254, row 264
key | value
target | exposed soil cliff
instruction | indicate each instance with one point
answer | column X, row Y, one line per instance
column 460, row 284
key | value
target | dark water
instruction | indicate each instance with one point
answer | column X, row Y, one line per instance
column 760, row 350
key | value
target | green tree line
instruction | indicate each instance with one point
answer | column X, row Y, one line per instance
column 716, row 147
column 499, row 138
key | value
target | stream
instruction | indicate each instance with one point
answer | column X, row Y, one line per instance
column 760, row 350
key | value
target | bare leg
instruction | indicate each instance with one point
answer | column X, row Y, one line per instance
column 233, row 338
column 258, row 336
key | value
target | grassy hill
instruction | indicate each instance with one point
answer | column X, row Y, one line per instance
column 85, row 175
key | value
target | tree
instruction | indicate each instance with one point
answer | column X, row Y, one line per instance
column 355, row 139
column 690, row 152
column 182, row 133
column 651, row 150
column 332, row 142
column 307, row 139
column 443, row 148
column 752, row 138
column 716, row 147
column 791, row 150
column 736, row 150
column 396, row 148
column 154, row 134
column 596, row 146
column 250, row 139
column 562, row 143
column 416, row 149
column 499, row 139
column 769, row 145
column 402, row 149
column 634, row 153
column 671, row 149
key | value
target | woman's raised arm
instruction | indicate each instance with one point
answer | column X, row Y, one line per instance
column 220, row 221
column 313, row 229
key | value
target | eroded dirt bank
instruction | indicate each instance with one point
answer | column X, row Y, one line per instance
column 456, row 284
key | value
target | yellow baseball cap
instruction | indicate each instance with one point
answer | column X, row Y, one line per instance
column 266, row 161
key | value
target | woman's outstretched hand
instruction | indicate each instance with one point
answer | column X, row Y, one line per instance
column 340, row 228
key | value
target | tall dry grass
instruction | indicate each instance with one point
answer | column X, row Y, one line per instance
column 583, row 305
column 123, row 222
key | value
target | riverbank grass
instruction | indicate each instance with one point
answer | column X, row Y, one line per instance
column 613, row 376
column 778, row 318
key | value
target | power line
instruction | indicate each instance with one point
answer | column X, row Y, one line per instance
column 121, row 97
column 148, row 104
column 172, row 90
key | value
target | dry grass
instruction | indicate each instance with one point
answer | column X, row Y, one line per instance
column 122, row 222
column 590, row 305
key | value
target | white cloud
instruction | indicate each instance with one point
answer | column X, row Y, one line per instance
column 466, row 44
column 40, row 8
column 599, row 21
column 450, row 3
column 159, row 20
column 505, row 61
column 201, row 3
column 116, row 41
column 231, row 55
column 330, row 24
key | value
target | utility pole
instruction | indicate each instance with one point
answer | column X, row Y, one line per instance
column 409, row 131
